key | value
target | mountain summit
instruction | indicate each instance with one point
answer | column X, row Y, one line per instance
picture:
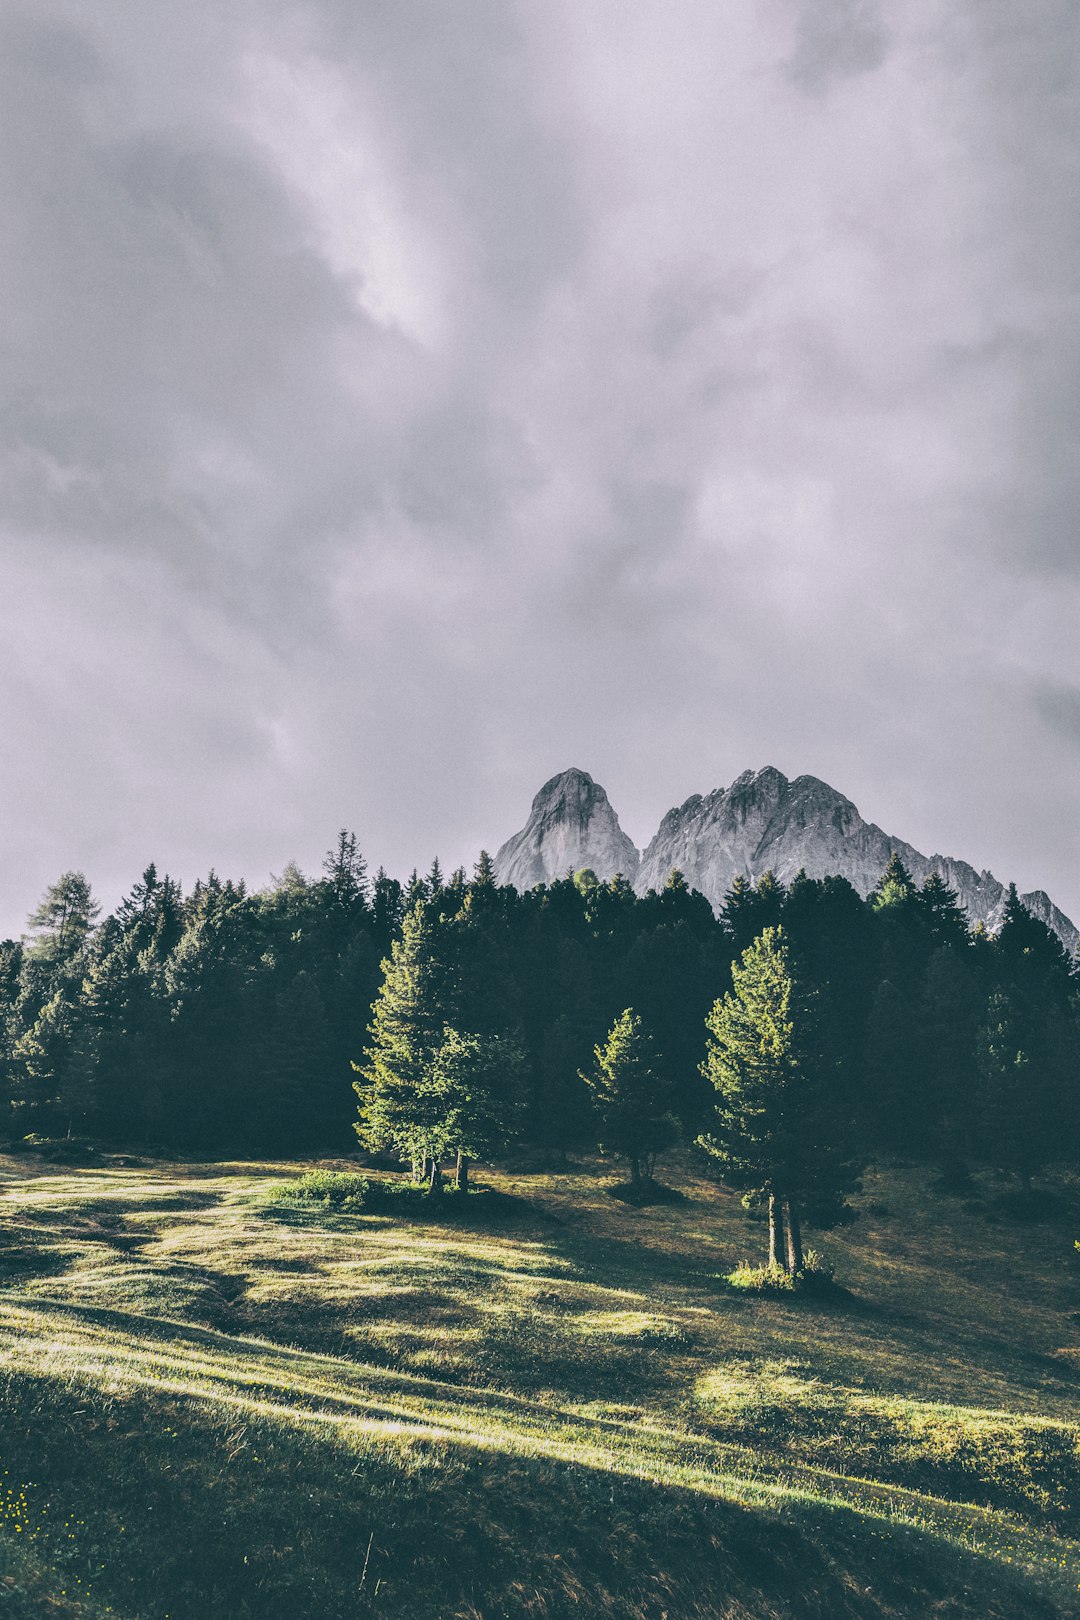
column 571, row 825
column 762, row 822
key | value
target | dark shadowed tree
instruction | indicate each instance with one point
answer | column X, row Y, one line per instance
column 633, row 1100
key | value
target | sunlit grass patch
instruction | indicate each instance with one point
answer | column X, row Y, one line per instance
column 1028, row 1465
column 637, row 1327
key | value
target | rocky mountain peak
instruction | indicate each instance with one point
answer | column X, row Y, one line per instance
column 762, row 822
column 571, row 825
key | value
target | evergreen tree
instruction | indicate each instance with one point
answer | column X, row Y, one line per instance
column 775, row 1132
column 892, row 1112
column 387, row 910
column 48, row 1095
column 633, row 1102
column 1019, row 1113
column 748, row 909
column 944, row 917
column 484, row 872
column 345, row 877
column 561, row 1112
column 399, row 1108
column 948, row 1033
column 478, row 1082
column 297, row 1071
column 61, row 925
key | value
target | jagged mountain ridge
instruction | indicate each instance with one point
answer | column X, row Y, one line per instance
column 761, row 822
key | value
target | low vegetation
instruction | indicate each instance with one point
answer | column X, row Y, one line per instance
column 222, row 1398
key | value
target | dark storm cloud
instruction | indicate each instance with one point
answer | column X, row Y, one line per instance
column 398, row 401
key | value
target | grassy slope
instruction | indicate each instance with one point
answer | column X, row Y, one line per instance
column 217, row 1408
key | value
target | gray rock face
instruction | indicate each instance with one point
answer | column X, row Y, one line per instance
column 571, row 825
column 762, row 822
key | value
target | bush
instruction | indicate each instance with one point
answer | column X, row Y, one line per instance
column 816, row 1277
column 770, row 1279
column 344, row 1191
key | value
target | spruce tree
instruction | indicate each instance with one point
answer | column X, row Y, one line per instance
column 399, row 1107
column 776, row 1132
column 477, row 1080
column 633, row 1100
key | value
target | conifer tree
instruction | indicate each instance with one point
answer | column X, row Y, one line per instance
column 478, row 1082
column 399, row 1107
column 633, row 1101
column 775, row 1133
column 892, row 1110
column 948, row 1034
column 61, row 925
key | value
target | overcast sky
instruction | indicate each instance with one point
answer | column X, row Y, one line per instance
column 401, row 401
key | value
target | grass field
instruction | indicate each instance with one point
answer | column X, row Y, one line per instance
column 218, row 1404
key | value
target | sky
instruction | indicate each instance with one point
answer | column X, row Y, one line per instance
column 401, row 402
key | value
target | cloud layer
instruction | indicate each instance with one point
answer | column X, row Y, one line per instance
column 400, row 402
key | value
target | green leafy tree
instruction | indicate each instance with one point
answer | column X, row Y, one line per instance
column 775, row 1133
column 632, row 1098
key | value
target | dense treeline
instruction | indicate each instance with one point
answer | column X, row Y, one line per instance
column 232, row 1022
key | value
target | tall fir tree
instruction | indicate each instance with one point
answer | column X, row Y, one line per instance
column 634, row 1102
column 776, row 1132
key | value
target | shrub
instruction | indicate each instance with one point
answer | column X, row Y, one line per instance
column 344, row 1191
column 770, row 1279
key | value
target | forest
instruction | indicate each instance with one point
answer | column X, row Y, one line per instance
column 795, row 1037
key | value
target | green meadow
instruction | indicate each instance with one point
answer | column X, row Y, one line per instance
column 219, row 1402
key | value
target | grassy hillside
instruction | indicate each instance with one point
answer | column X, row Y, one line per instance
column 218, row 1405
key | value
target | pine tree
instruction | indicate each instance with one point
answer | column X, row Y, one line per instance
column 478, row 1081
column 562, row 1109
column 61, row 925
column 775, row 1132
column 948, row 1032
column 944, row 916
column 633, row 1101
column 892, row 1109
column 399, row 1108
column 1028, row 1058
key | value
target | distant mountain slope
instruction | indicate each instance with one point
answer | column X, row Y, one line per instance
column 571, row 825
column 761, row 822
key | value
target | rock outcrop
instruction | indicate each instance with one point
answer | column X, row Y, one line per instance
column 571, row 825
column 762, row 822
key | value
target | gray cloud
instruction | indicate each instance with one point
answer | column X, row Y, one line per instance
column 837, row 39
column 399, row 401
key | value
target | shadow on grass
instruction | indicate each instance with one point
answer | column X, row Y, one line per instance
column 645, row 1192
column 480, row 1208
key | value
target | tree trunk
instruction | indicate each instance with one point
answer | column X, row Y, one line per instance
column 435, row 1185
column 635, row 1171
column 462, row 1176
column 776, row 1231
column 794, row 1238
